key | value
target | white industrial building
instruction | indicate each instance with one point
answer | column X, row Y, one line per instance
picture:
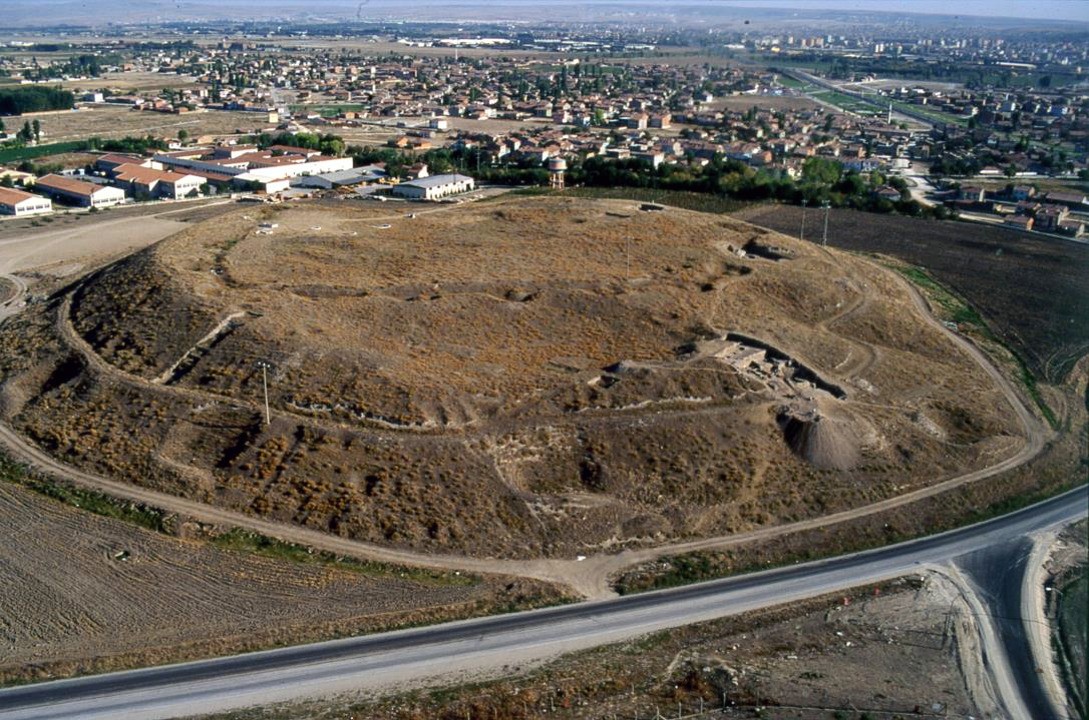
column 19, row 203
column 80, row 193
column 273, row 172
column 434, row 187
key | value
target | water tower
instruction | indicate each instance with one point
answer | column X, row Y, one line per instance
column 557, row 166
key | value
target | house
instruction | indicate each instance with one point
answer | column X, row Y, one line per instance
column 1071, row 227
column 77, row 192
column 17, row 177
column 1022, row 192
column 1072, row 199
column 434, row 187
column 663, row 121
column 20, row 203
column 140, row 180
column 1048, row 217
column 974, row 193
column 1021, row 222
column 887, row 192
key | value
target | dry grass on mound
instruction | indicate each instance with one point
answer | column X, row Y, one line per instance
column 522, row 377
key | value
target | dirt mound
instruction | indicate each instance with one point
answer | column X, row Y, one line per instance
column 522, row 377
column 825, row 442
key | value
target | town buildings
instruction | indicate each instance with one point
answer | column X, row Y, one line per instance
column 78, row 192
column 20, row 203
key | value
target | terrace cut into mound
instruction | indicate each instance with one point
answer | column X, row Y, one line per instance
column 522, row 377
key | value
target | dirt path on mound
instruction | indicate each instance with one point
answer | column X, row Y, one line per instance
column 588, row 576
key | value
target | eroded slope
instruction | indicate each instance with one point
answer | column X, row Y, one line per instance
column 542, row 376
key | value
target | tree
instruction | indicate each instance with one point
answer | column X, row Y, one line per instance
column 821, row 170
column 183, row 135
column 37, row 127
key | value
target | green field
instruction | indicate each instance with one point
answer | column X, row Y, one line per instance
column 844, row 101
column 328, row 110
column 18, row 154
column 787, row 81
column 934, row 115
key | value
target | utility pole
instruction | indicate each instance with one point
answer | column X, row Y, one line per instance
column 824, row 239
column 264, row 383
column 801, row 235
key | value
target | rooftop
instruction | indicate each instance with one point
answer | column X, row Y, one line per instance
column 66, row 184
column 10, row 196
column 438, row 180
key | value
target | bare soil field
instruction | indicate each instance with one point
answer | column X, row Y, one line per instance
column 91, row 593
column 889, row 651
column 518, row 378
column 61, row 245
column 1032, row 292
column 108, row 121
column 124, row 83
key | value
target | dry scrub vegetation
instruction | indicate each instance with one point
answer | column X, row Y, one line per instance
column 526, row 377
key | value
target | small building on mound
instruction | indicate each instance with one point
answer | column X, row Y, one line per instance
column 435, row 187
column 19, row 203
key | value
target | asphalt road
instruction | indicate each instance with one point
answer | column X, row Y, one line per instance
column 500, row 643
column 997, row 574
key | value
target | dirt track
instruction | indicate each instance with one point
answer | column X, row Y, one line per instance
column 590, row 576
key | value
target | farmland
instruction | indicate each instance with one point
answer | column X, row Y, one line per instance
column 110, row 121
column 107, row 587
column 504, row 393
column 1032, row 292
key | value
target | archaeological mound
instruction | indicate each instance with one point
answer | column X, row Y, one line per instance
column 518, row 377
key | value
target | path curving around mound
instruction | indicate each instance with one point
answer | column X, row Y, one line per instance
column 590, row 576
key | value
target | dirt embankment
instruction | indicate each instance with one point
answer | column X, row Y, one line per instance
column 522, row 378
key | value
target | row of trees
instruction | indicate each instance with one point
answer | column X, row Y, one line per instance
column 16, row 101
column 327, row 144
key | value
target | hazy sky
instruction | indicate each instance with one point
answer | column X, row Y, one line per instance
column 1038, row 9
column 38, row 12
